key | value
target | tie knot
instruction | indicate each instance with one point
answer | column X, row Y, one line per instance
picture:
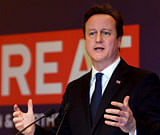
column 99, row 76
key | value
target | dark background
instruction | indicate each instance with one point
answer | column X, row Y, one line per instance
column 27, row 16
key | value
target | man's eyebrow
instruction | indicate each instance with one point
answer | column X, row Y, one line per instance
column 106, row 29
column 92, row 29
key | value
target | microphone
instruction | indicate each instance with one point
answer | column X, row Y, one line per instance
column 66, row 109
column 46, row 114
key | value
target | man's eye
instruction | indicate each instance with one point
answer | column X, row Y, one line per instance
column 92, row 33
column 106, row 33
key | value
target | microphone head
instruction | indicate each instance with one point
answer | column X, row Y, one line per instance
column 49, row 112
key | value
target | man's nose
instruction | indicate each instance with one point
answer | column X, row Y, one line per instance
column 99, row 37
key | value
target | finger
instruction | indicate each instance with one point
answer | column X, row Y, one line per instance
column 17, row 114
column 126, row 101
column 111, row 123
column 123, row 106
column 30, row 106
column 17, row 119
column 120, row 123
column 16, row 108
column 119, row 105
column 111, row 117
column 121, row 114
column 19, row 125
column 115, row 111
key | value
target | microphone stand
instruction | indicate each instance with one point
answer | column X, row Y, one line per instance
column 66, row 109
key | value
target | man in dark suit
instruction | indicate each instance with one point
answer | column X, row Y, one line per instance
column 113, row 98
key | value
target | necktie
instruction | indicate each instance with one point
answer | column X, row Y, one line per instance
column 96, row 95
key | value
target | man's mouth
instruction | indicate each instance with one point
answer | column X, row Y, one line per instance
column 99, row 48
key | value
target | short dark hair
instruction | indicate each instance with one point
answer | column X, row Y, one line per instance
column 105, row 9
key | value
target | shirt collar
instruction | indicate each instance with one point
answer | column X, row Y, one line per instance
column 107, row 71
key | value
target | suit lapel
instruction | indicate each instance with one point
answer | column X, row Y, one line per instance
column 114, row 85
column 85, row 96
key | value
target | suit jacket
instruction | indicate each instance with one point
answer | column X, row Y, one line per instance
column 142, row 86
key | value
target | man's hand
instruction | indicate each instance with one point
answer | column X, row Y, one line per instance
column 125, row 120
column 21, row 119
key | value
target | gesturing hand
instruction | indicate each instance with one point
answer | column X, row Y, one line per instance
column 125, row 120
column 21, row 119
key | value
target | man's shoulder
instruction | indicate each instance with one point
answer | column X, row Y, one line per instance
column 142, row 73
column 135, row 71
column 81, row 79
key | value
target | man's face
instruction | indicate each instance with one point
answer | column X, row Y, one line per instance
column 102, row 43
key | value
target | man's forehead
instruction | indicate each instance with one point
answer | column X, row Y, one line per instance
column 100, row 21
column 100, row 15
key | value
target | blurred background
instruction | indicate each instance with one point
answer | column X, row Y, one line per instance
column 32, row 22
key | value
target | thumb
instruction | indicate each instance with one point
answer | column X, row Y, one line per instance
column 126, row 101
column 30, row 106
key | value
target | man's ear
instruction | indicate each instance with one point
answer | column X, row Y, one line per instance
column 119, row 41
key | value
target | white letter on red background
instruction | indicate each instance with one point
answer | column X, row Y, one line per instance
column 42, row 68
column 17, row 72
column 80, row 53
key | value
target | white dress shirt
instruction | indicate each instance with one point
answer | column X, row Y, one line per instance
column 107, row 73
